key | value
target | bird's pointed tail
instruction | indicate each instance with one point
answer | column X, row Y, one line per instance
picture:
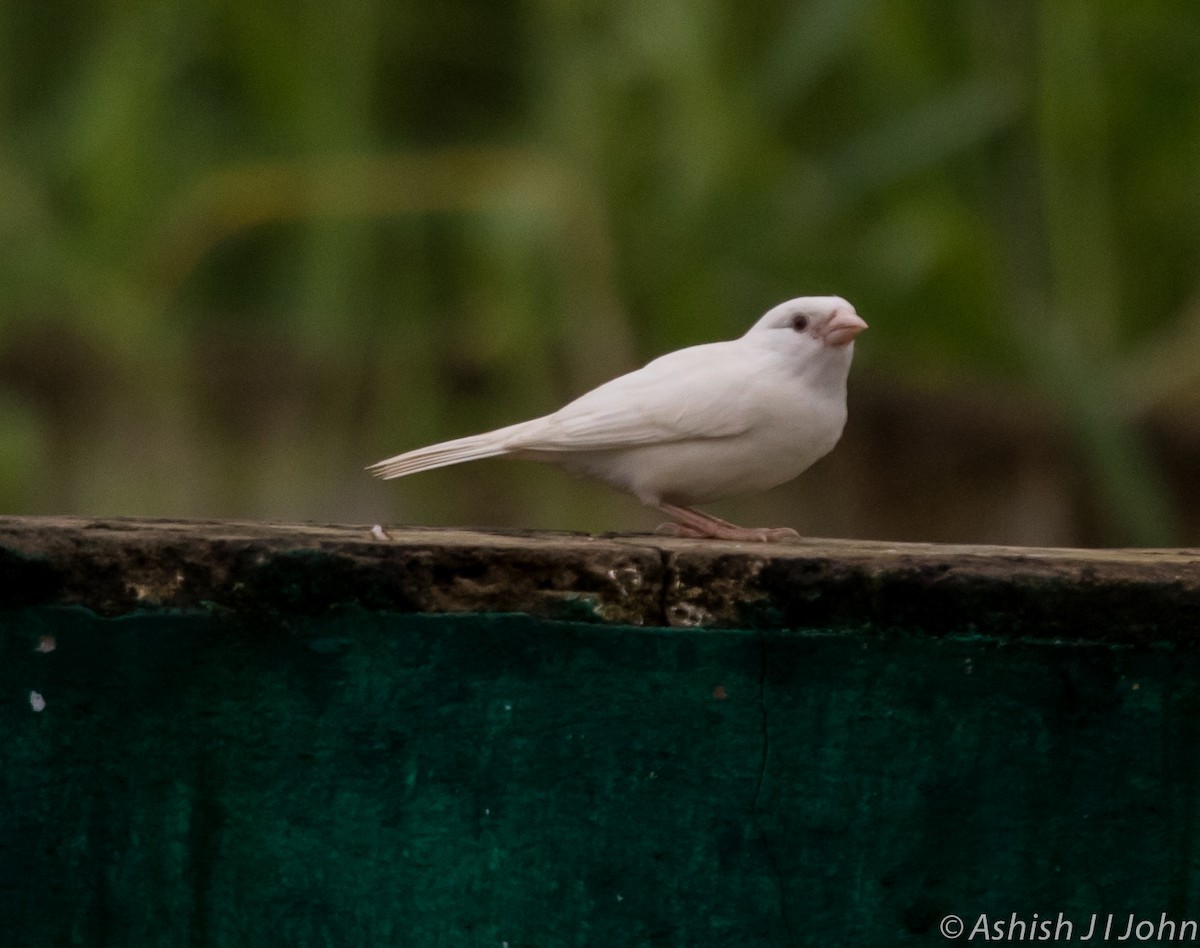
column 458, row 451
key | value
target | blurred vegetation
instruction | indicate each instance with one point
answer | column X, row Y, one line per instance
column 246, row 249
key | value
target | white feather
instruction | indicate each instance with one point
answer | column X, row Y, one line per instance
column 471, row 448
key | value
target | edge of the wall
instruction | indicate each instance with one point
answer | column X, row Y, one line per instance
column 118, row 566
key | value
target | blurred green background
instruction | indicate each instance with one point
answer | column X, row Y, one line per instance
column 248, row 248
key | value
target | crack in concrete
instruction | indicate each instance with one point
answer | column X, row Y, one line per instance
column 772, row 859
column 664, row 594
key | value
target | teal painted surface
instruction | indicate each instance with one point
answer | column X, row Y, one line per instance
column 419, row 780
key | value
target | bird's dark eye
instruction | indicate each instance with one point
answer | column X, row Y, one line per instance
column 799, row 322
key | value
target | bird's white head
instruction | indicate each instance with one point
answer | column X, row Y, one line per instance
column 829, row 321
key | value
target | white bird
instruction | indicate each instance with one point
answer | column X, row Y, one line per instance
column 696, row 425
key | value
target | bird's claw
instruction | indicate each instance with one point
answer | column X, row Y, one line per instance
column 778, row 535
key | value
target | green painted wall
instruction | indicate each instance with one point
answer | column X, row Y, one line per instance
column 380, row 779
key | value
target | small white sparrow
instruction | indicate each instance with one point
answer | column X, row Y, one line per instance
column 696, row 425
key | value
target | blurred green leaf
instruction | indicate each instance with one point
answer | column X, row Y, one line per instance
column 285, row 236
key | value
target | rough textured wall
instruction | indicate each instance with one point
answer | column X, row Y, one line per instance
column 303, row 769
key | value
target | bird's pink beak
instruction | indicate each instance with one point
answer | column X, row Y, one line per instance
column 845, row 325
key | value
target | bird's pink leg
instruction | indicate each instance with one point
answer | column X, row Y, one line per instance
column 690, row 522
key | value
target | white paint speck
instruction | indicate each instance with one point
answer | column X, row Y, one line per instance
column 379, row 533
column 36, row 701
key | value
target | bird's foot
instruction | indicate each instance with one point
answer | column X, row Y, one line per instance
column 694, row 523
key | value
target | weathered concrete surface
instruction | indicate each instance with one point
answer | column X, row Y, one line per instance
column 117, row 566
column 224, row 734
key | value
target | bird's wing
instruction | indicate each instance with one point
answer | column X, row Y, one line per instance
column 702, row 392
column 694, row 393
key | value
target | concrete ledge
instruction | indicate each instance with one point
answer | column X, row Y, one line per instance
column 261, row 734
column 125, row 565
